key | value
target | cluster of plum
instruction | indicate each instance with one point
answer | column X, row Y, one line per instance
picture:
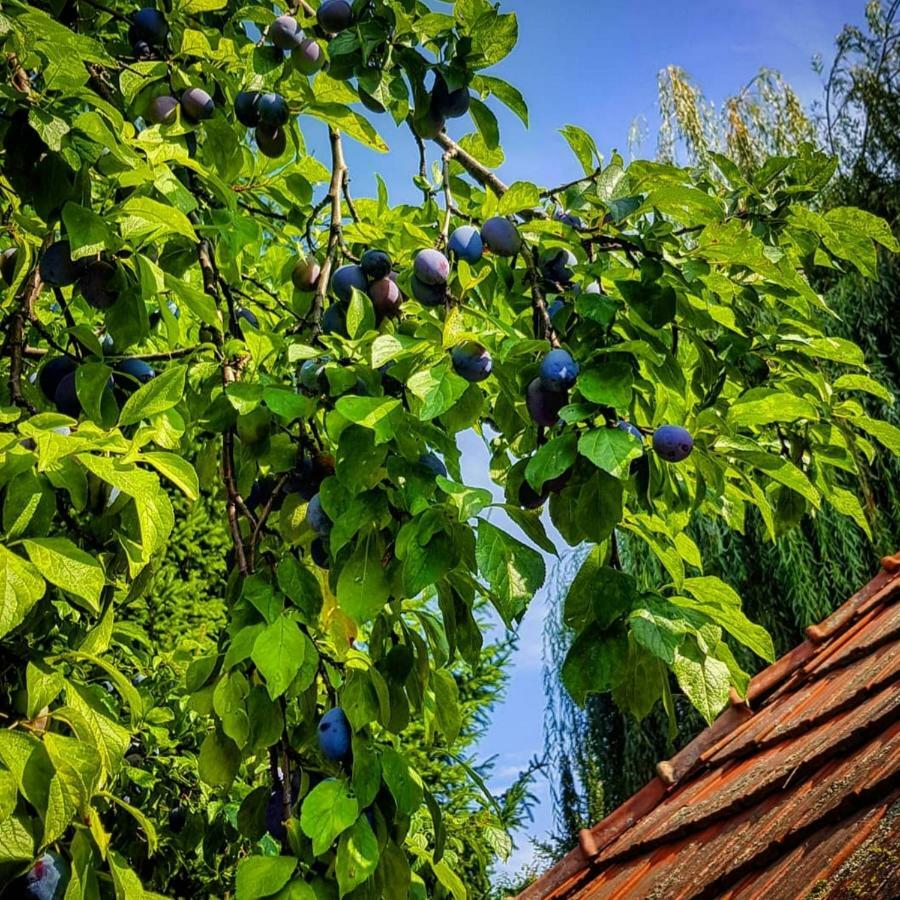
column 443, row 103
column 268, row 113
column 306, row 54
column 148, row 29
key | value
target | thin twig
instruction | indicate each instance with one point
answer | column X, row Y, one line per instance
column 550, row 192
column 350, row 204
column 444, row 236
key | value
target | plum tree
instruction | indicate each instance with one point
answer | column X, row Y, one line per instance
column 334, row 16
column 673, row 443
column 558, row 370
column 272, row 110
column 285, row 33
column 465, row 243
column 500, row 236
column 197, row 105
column 345, row 279
column 471, row 361
column 375, row 264
column 431, row 267
column 297, row 398
column 245, row 108
column 162, row 110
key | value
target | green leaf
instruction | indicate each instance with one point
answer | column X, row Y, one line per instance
column 87, row 232
column 505, row 93
column 376, row 413
column 278, row 654
column 21, row 586
column 446, row 704
column 179, row 471
column 16, row 841
column 863, row 383
column 552, row 459
column 262, row 876
column 775, row 406
column 595, row 662
column 438, row 389
column 486, row 123
column 583, row 146
column 328, row 809
column 156, row 396
column 363, row 588
column 704, row 679
column 609, row 385
column 521, row 195
column 351, row 123
column 44, row 686
column 68, row 567
column 610, row 449
column 219, row 760
column 887, row 434
column 360, row 315
column 402, row 780
column 357, row 856
column 146, row 218
column 513, row 570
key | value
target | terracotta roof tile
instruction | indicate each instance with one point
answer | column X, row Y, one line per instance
column 778, row 796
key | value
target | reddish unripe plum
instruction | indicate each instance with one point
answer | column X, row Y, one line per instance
column 308, row 57
column 285, row 33
column 386, row 297
column 431, row 267
column 375, row 264
column 305, row 275
column 335, row 15
column 272, row 142
column 428, row 294
column 272, row 110
column 95, row 284
column 465, row 243
column 197, row 105
column 501, row 236
column 245, row 108
column 161, row 110
column 543, row 404
column 471, row 361
column 446, row 103
column 672, row 443
column 345, row 279
column 57, row 267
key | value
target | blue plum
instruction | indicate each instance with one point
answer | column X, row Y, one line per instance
column 375, row 264
column 431, row 267
column 149, row 25
column 96, row 284
column 672, row 443
column 312, row 375
column 500, row 236
column 57, row 267
column 334, row 321
column 285, row 33
column 345, row 279
column 386, row 297
column 47, row 879
column 197, row 105
column 433, row 464
column 8, row 264
column 622, row 425
column 319, row 553
column 335, row 735
column 272, row 110
column 141, row 49
column 52, row 373
column 558, row 370
column 65, row 398
column 308, row 57
column 177, row 819
column 429, row 294
column 275, row 815
column 245, row 108
column 556, row 266
column 555, row 307
column 471, row 361
column 446, row 103
column 245, row 315
column 569, row 219
column 305, row 275
column 130, row 374
column 161, row 110
column 316, row 517
column 544, row 404
column 465, row 243
column 272, row 142
column 335, row 15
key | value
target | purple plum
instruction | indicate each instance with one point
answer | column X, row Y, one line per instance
column 544, row 404
column 345, row 279
column 334, row 15
column 335, row 735
column 272, row 142
column 446, row 103
column 500, row 236
column 57, row 267
column 386, row 297
column 471, row 361
column 161, row 110
column 465, row 243
column 672, row 443
column 308, row 57
column 148, row 25
column 52, row 373
column 197, row 105
column 431, row 267
column 245, row 108
column 429, row 294
column 95, row 286
column 375, row 264
column 272, row 110
column 305, row 275
column 285, row 33
column 558, row 370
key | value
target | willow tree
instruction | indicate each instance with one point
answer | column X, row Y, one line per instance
column 643, row 341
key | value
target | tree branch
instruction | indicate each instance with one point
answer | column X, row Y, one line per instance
column 444, row 236
column 479, row 172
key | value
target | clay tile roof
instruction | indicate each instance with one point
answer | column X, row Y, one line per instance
column 795, row 791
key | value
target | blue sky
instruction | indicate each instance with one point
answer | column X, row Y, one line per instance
column 594, row 64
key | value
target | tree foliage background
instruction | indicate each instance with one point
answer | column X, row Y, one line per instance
column 192, row 347
column 603, row 756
